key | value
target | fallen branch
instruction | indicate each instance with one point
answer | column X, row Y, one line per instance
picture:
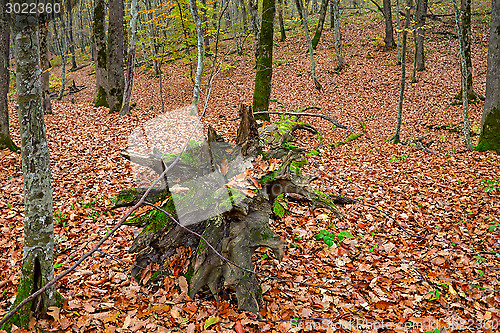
column 299, row 114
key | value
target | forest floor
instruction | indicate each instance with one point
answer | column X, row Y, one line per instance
column 382, row 280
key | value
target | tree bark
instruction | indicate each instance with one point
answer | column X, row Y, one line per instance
column 398, row 39
column 37, row 266
column 301, row 8
column 403, row 72
column 71, row 40
column 337, row 35
column 239, row 210
column 116, row 78
column 262, row 89
column 201, row 57
column 463, row 77
column 101, row 54
column 466, row 35
column 389, row 34
column 5, row 139
column 61, row 47
column 489, row 138
column 134, row 13
column 419, row 35
column 280, row 18
column 44, row 62
column 321, row 22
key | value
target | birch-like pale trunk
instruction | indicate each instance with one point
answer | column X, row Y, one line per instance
column 403, row 72
column 201, row 57
column 337, row 35
column 37, row 266
column 134, row 13
column 301, row 8
column 463, row 78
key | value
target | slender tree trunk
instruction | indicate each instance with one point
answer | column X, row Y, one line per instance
column 101, row 54
column 71, row 40
column 466, row 34
column 5, row 139
column 244, row 15
column 116, row 78
column 201, row 56
column 321, row 22
column 389, row 34
column 204, row 21
column 61, row 46
column 44, row 62
column 398, row 38
column 37, row 266
column 419, row 35
column 280, row 18
column 152, row 38
column 463, row 77
column 490, row 123
column 337, row 35
column 254, row 15
column 134, row 13
column 300, row 7
column 403, row 71
column 262, row 90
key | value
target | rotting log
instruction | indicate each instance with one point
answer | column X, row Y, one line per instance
column 224, row 192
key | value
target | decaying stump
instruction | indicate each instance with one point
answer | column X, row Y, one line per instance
column 225, row 192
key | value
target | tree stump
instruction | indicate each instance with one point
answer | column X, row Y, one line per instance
column 227, row 193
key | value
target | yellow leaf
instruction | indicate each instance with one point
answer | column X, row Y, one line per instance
column 211, row 321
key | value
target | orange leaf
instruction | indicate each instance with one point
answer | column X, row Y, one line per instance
column 224, row 167
column 238, row 327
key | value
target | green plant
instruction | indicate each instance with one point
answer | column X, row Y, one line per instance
column 60, row 217
column 295, row 245
column 436, row 294
column 399, row 158
column 435, row 331
column 280, row 207
column 493, row 226
column 329, row 238
column 480, row 259
column 9, row 205
column 491, row 185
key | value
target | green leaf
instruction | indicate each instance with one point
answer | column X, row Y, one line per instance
column 211, row 321
column 57, row 265
column 492, row 228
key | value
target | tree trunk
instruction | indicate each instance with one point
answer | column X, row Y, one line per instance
column 419, row 35
column 466, row 34
column 280, row 18
column 398, row 39
column 101, row 54
column 44, row 62
column 403, row 72
column 37, row 266
column 321, row 22
column 262, row 90
column 62, row 47
column 116, row 78
column 253, row 7
column 235, row 213
column 71, row 40
column 389, row 34
column 300, row 8
column 490, row 122
column 463, row 77
column 204, row 22
column 337, row 34
column 5, row 139
column 244, row 15
column 201, row 57
column 134, row 13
